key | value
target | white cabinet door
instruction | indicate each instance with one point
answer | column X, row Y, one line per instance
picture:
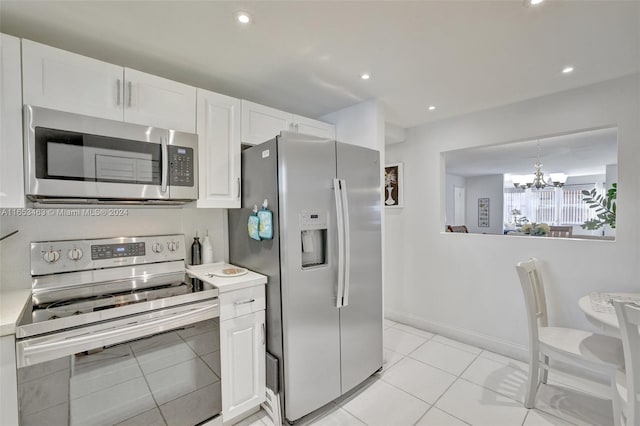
column 8, row 377
column 261, row 123
column 218, row 150
column 11, row 161
column 156, row 101
column 56, row 79
column 242, row 359
column 314, row 127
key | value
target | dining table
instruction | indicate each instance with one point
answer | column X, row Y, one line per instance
column 600, row 312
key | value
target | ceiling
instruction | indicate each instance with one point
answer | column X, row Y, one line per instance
column 306, row 57
column 576, row 154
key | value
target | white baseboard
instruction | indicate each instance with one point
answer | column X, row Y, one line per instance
column 470, row 337
column 490, row 343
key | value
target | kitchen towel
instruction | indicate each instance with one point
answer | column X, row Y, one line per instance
column 266, row 224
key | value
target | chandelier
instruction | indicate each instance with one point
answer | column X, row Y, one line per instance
column 537, row 180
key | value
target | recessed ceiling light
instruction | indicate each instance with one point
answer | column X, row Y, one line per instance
column 365, row 76
column 535, row 2
column 243, row 17
column 432, row 107
column 567, row 70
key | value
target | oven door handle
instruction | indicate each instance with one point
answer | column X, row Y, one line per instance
column 47, row 348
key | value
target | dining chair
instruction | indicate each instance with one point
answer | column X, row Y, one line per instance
column 591, row 351
column 629, row 379
column 561, row 231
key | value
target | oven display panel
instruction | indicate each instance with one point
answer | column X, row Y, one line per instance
column 110, row 251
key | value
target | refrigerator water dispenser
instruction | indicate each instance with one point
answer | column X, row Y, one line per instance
column 313, row 239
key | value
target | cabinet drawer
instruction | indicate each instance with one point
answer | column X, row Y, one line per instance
column 242, row 302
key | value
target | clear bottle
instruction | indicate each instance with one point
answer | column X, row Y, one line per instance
column 207, row 249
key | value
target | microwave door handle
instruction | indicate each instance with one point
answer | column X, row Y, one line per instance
column 164, row 164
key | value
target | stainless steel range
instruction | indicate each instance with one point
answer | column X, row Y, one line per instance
column 116, row 332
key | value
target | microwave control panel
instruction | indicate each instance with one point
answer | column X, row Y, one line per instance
column 181, row 170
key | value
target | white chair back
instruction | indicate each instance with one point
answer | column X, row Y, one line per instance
column 629, row 319
column 535, row 301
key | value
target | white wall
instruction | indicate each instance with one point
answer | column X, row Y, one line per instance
column 14, row 251
column 361, row 124
column 491, row 187
column 465, row 285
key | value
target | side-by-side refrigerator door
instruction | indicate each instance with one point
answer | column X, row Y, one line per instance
column 361, row 314
column 311, row 329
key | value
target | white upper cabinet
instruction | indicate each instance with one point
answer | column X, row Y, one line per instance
column 61, row 80
column 11, row 162
column 261, row 123
column 56, row 79
column 314, row 127
column 218, row 150
column 158, row 102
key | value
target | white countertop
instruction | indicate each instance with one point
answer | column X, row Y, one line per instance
column 12, row 302
column 224, row 284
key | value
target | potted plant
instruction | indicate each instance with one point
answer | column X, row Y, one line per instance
column 605, row 206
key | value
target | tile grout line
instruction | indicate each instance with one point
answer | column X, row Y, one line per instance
column 458, row 377
column 451, row 385
column 431, row 406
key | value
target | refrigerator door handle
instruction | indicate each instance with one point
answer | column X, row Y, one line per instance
column 340, row 226
column 347, row 242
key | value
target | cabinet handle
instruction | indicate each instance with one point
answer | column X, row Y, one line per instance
column 129, row 102
column 263, row 334
column 238, row 196
column 118, row 84
column 244, row 302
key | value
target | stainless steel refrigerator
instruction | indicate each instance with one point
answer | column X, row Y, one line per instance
column 324, row 292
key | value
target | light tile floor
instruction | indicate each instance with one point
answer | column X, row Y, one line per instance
column 429, row 380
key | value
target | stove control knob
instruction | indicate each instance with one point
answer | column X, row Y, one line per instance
column 173, row 245
column 75, row 254
column 51, row 256
column 157, row 248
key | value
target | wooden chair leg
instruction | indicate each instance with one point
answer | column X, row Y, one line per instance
column 545, row 371
column 532, row 384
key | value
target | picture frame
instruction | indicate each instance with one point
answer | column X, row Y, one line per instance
column 393, row 186
column 483, row 212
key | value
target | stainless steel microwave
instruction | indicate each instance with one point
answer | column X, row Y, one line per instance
column 73, row 158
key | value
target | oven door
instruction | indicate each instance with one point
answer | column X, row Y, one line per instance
column 80, row 157
column 156, row 368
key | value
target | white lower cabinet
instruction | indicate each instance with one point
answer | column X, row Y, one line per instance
column 242, row 358
column 8, row 381
column 242, row 351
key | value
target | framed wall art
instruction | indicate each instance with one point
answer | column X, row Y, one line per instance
column 393, row 191
column 483, row 212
